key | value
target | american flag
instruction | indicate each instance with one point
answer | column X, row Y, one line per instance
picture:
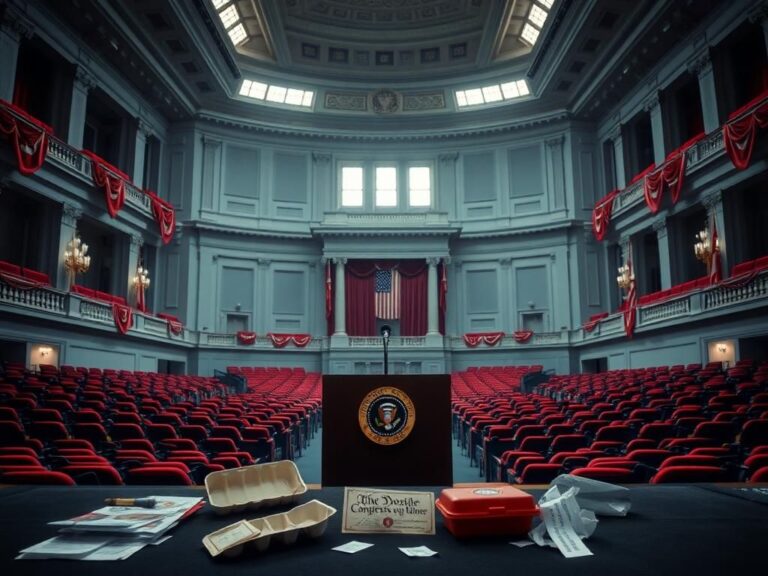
column 387, row 294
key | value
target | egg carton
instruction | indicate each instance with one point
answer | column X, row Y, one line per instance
column 310, row 520
column 253, row 487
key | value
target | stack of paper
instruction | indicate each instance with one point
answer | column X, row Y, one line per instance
column 114, row 532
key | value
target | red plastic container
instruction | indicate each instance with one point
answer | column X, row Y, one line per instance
column 489, row 510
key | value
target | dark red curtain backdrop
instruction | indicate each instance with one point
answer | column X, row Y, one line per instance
column 360, row 310
column 413, row 298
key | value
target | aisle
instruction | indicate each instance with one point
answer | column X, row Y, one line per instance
column 310, row 463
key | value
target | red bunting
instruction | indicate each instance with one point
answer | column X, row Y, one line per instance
column 593, row 321
column 28, row 134
column 601, row 215
column 522, row 336
column 653, row 189
column 715, row 264
column 443, row 293
column 328, row 291
column 739, row 132
column 165, row 216
column 472, row 339
column 630, row 311
column 175, row 327
column 246, row 337
column 282, row 340
column 123, row 317
column 111, row 179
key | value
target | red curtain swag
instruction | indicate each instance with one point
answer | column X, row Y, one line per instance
column 29, row 138
column 246, row 337
column 522, row 336
column 123, row 317
column 593, row 321
column 282, row 340
column 601, row 215
column 174, row 327
column 164, row 214
column 472, row 339
column 630, row 311
column 110, row 179
column 715, row 263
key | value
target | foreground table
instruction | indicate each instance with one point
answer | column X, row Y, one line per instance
column 671, row 530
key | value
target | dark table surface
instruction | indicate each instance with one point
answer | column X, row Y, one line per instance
column 676, row 530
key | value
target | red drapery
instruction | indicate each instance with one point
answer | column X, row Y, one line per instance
column 715, row 263
column 110, row 179
column 472, row 339
column 165, row 216
column 330, row 295
column 19, row 282
column 360, row 309
column 522, row 336
column 593, row 321
column 246, row 337
column 601, row 215
column 174, row 326
column 282, row 340
column 630, row 311
column 739, row 131
column 443, row 296
column 141, row 302
column 123, row 317
column 29, row 138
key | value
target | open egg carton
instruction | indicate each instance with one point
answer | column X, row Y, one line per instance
column 256, row 486
column 310, row 520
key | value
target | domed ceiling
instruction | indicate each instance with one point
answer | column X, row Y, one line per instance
column 375, row 39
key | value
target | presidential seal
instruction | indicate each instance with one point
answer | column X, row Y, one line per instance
column 386, row 415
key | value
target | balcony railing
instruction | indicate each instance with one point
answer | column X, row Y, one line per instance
column 738, row 294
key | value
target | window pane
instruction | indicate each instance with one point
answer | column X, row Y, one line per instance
column 219, row 3
column 522, row 85
column 530, row 34
column 386, row 186
column 276, row 94
column 474, row 96
column 258, row 90
column 492, row 93
column 307, row 99
column 352, row 186
column 229, row 16
column 245, row 87
column 461, row 98
column 294, row 96
column 510, row 90
column 419, row 186
column 238, row 34
column 537, row 16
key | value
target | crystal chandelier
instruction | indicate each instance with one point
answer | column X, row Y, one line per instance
column 76, row 259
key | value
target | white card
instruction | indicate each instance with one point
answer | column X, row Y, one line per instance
column 352, row 547
column 418, row 552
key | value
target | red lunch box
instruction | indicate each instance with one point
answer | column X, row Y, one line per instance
column 487, row 510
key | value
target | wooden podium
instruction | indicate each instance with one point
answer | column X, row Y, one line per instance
column 386, row 430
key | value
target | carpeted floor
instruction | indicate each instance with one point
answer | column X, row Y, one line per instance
column 310, row 463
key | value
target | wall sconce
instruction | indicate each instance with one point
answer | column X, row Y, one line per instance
column 140, row 284
column 625, row 277
column 76, row 259
column 44, row 351
column 703, row 247
column 722, row 348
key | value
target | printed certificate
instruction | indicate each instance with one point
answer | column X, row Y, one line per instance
column 372, row 511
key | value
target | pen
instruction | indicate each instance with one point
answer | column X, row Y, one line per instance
column 141, row 502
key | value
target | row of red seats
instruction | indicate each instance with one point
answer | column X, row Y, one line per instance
column 23, row 272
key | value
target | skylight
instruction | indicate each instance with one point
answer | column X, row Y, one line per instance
column 492, row 93
column 535, row 21
column 230, row 18
column 277, row 94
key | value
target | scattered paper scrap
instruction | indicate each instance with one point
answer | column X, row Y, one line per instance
column 523, row 543
column 602, row 498
column 352, row 547
column 564, row 523
column 418, row 552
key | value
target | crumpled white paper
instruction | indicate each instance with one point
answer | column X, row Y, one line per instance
column 568, row 512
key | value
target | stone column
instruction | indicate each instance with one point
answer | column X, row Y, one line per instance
column 81, row 85
column 134, row 254
column 143, row 131
column 618, row 157
column 701, row 66
column 433, row 324
column 653, row 107
column 665, row 266
column 70, row 214
column 322, row 179
column 339, row 303
column 12, row 29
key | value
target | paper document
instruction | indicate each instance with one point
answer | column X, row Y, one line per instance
column 352, row 547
